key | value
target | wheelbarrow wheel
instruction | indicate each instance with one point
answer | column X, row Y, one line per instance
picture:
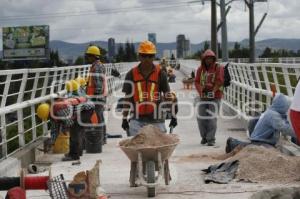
column 150, row 168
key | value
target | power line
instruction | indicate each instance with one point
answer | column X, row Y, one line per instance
column 97, row 11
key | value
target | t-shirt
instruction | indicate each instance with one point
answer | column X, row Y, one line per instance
column 296, row 99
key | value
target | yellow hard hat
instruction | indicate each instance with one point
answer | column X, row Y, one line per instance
column 81, row 81
column 68, row 86
column 147, row 47
column 72, row 86
column 93, row 50
column 43, row 111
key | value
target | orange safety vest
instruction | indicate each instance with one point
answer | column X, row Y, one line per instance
column 91, row 87
column 146, row 92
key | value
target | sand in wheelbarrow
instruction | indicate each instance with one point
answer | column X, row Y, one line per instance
column 150, row 136
column 261, row 164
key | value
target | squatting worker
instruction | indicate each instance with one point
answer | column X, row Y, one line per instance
column 96, row 85
column 145, row 87
column 149, row 87
column 209, row 84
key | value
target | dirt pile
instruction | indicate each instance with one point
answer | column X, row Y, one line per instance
column 150, row 136
column 261, row 164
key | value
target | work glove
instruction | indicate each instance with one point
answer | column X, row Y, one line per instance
column 125, row 124
column 173, row 122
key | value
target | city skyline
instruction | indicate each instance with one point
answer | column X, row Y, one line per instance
column 80, row 21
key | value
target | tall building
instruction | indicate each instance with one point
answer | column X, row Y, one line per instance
column 111, row 49
column 187, row 48
column 180, row 46
column 183, row 46
column 167, row 54
column 152, row 38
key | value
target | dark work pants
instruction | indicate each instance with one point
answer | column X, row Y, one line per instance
column 76, row 136
column 99, row 109
column 208, row 112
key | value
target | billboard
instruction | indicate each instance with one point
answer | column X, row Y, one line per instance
column 25, row 42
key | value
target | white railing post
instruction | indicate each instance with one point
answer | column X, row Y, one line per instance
column 35, row 84
column 287, row 82
column 20, row 112
column 3, row 135
column 45, row 85
column 6, row 89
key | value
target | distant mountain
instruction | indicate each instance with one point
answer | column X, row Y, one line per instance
column 73, row 50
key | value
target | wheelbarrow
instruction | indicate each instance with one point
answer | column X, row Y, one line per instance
column 144, row 164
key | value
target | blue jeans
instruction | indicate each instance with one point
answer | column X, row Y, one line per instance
column 136, row 125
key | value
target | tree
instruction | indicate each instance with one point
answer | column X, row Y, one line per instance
column 206, row 46
column 127, row 52
column 267, row 53
column 133, row 52
column 79, row 60
column 121, row 54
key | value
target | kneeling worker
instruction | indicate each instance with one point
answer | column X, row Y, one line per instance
column 269, row 126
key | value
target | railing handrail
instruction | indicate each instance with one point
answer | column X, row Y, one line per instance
column 50, row 83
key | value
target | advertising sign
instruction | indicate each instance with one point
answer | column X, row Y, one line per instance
column 25, row 42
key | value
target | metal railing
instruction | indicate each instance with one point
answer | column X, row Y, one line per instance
column 21, row 91
column 286, row 60
column 250, row 88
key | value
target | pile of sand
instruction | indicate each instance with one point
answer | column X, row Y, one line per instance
column 150, row 136
column 261, row 164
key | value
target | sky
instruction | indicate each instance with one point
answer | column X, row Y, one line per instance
column 80, row 21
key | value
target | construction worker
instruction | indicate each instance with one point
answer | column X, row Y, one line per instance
column 269, row 126
column 96, row 86
column 145, row 87
column 163, row 64
column 209, row 84
column 149, row 87
column 81, row 81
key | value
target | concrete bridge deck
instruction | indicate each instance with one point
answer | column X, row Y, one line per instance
column 186, row 163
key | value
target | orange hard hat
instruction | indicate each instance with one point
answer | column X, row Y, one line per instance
column 147, row 47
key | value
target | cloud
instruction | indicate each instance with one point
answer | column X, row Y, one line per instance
column 87, row 20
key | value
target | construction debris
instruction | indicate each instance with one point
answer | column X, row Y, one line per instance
column 150, row 136
column 259, row 164
column 86, row 184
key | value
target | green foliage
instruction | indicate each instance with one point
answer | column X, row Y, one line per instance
column 127, row 53
column 238, row 52
column 198, row 54
column 273, row 53
column 79, row 60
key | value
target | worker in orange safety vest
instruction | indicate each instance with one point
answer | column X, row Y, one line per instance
column 96, row 86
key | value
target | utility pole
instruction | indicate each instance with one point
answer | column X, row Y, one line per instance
column 250, row 5
column 252, row 30
column 214, row 38
column 224, row 44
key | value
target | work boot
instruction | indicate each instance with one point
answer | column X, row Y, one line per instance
column 211, row 143
column 203, row 141
column 228, row 145
column 69, row 158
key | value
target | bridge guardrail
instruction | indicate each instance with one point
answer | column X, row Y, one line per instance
column 22, row 90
